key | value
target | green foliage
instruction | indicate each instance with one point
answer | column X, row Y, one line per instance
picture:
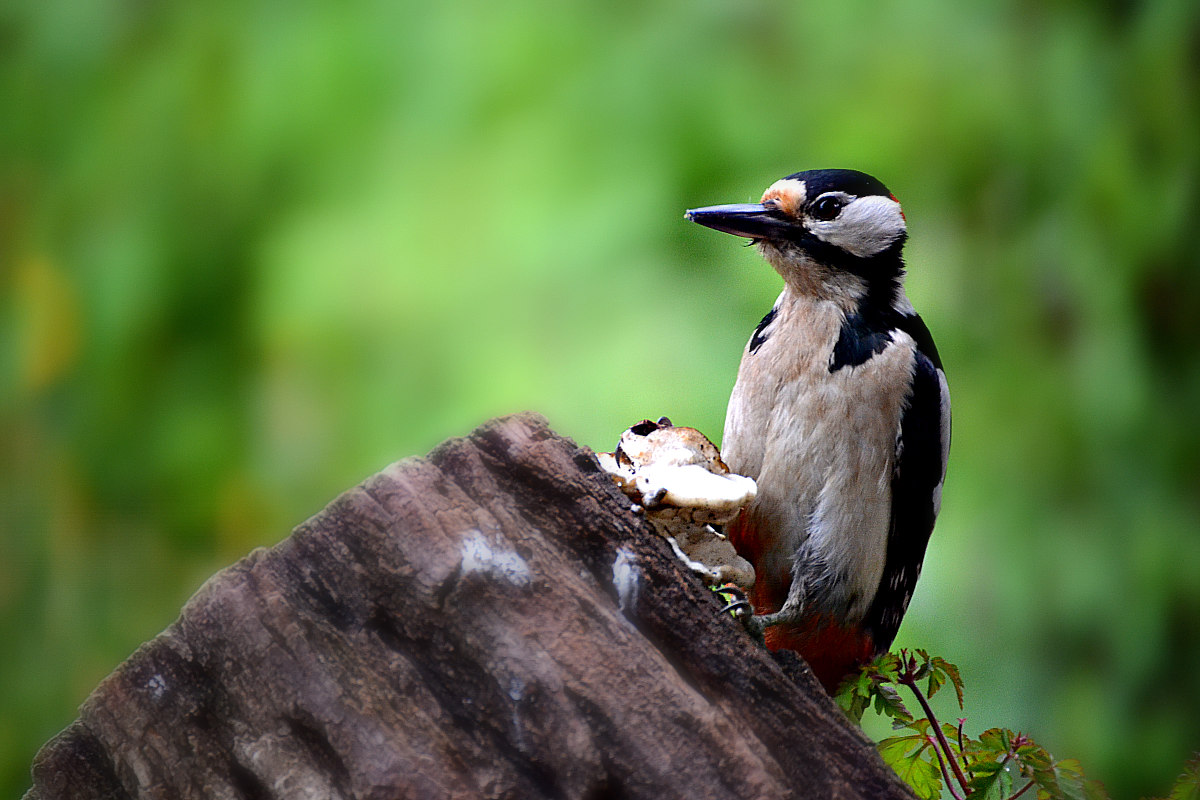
column 1187, row 787
column 940, row 671
column 912, row 756
column 931, row 756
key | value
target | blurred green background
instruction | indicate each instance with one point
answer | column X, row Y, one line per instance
column 253, row 251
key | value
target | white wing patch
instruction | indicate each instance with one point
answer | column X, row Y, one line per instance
column 866, row 226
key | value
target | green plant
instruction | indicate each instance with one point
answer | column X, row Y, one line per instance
column 931, row 755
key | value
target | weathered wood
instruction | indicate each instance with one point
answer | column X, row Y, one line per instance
column 490, row 621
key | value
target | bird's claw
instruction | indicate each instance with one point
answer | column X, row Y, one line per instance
column 740, row 609
column 736, row 605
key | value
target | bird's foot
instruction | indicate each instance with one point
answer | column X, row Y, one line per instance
column 757, row 624
column 739, row 607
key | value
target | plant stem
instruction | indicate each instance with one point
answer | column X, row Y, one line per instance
column 945, row 772
column 1022, row 791
column 906, row 677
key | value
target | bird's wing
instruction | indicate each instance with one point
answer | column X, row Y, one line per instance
column 922, row 446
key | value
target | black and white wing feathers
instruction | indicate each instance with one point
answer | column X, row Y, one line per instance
column 922, row 446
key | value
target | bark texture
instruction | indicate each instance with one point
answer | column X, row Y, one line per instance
column 489, row 621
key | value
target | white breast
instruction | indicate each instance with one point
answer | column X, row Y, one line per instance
column 822, row 446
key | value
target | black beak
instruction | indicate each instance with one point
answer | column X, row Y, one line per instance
column 752, row 220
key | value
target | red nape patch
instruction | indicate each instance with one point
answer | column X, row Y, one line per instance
column 831, row 650
column 897, row 202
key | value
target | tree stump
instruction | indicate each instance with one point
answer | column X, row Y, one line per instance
column 489, row 621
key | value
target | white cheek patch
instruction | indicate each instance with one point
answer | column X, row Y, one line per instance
column 866, row 226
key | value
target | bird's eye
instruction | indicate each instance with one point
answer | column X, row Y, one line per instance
column 826, row 208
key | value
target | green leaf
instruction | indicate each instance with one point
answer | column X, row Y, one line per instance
column 1065, row 779
column 887, row 701
column 1188, row 785
column 949, row 671
column 854, row 704
column 986, row 768
column 853, row 695
column 896, row 748
column 913, row 759
column 923, row 667
column 986, row 757
column 1057, row 780
column 1034, row 758
column 887, row 667
column 937, row 679
column 997, row 740
column 997, row 783
column 922, row 726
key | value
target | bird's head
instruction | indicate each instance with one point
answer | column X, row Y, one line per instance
column 833, row 233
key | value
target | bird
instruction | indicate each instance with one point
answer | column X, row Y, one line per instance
column 841, row 413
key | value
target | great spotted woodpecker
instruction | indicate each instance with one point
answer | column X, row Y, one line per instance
column 841, row 413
